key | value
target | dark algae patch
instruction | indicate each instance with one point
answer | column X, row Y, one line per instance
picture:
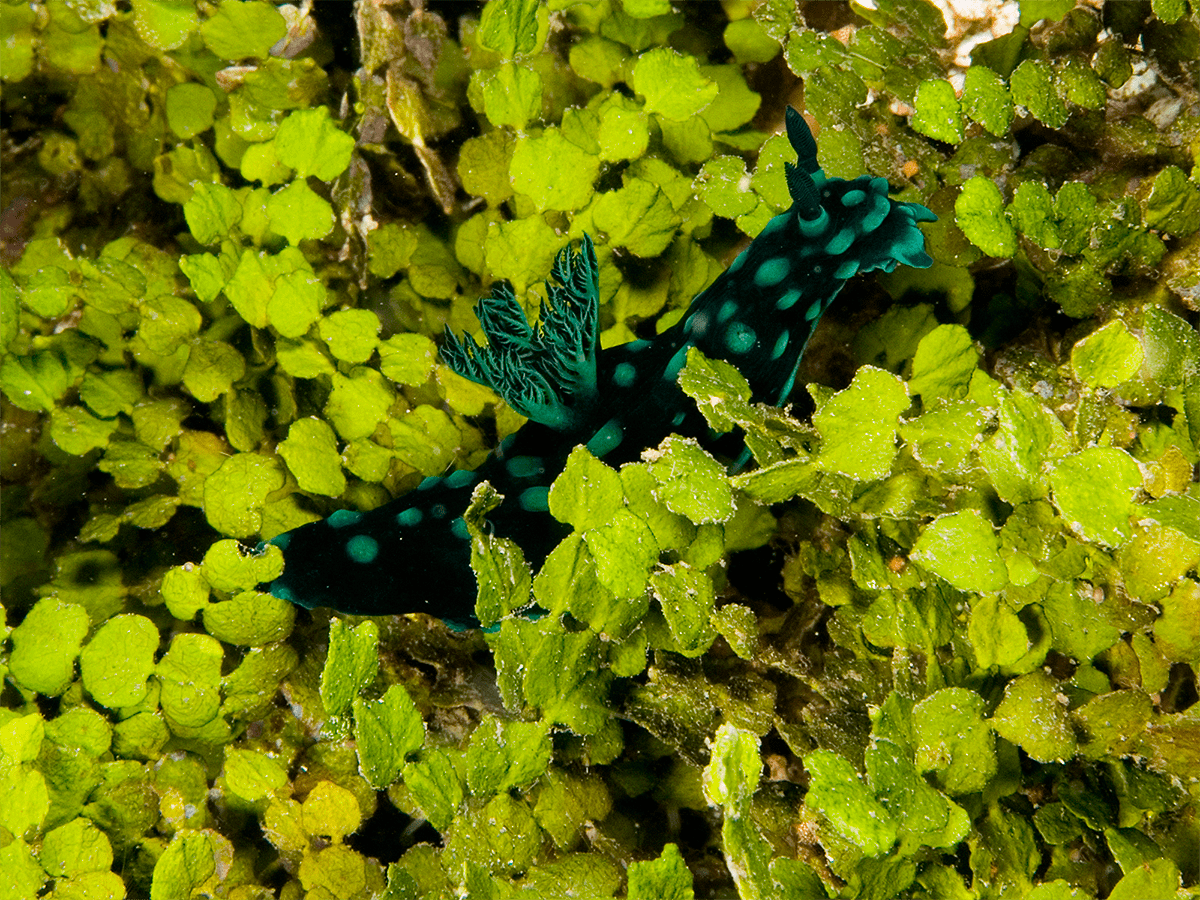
column 926, row 621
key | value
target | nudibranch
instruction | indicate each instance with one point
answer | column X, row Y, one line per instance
column 412, row 554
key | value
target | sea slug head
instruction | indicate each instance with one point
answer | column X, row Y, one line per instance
column 847, row 227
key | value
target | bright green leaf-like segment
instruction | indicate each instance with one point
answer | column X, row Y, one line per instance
column 500, row 836
column 954, row 741
column 386, row 731
column 311, row 453
column 672, row 84
column 687, row 599
column 45, row 644
column 251, row 619
column 731, row 777
column 1016, row 455
column 1172, row 348
column 1034, row 214
column 436, row 786
column 979, row 212
column 76, row 848
column 998, row 636
column 188, row 862
column 638, row 216
column 407, row 358
column 665, row 878
column 858, row 425
column 1107, row 356
column 235, row 493
column 1033, row 87
column 624, row 549
column 506, row 755
column 943, row 364
column 963, row 549
column 690, row 482
column 553, row 172
column 587, row 494
column 253, row 776
column 937, row 114
column 510, row 28
column 1173, row 204
column 1034, row 718
column 190, row 677
column 297, row 213
column 1154, row 878
column 243, row 29
column 331, row 810
column 836, row 792
column 511, row 94
column 351, row 665
column 309, row 142
column 190, row 109
column 21, row 738
column 1094, row 491
column 211, row 370
column 502, row 576
column 351, row 334
column 226, row 568
column 725, row 187
column 1178, row 631
column 357, row 404
column 986, row 99
column 118, row 660
column 924, row 815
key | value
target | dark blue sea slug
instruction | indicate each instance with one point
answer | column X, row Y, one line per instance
column 412, row 555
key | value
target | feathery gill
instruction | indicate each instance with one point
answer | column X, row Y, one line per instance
column 413, row 554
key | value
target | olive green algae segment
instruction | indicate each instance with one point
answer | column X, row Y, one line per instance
column 1009, row 590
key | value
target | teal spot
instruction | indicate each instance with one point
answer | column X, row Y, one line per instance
column 428, row 483
column 675, row 365
column 458, row 528
column 460, row 478
column 879, row 185
column 848, row 269
column 281, row 540
column 739, row 262
column 788, row 300
column 635, row 346
column 740, row 337
column 525, row 466
column 362, row 548
column 606, row 439
column 773, row 271
column 505, row 446
column 624, row 374
column 696, row 324
column 411, row 516
column 780, row 345
column 853, row 198
column 344, row 517
column 811, row 228
column 535, row 499
column 840, row 242
column 278, row 590
column 728, row 308
column 437, row 511
column 814, row 311
column 678, row 420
